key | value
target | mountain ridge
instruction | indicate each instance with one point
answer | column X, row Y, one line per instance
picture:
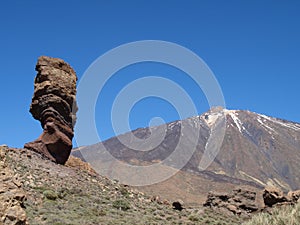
column 257, row 150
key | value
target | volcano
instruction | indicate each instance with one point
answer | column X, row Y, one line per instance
column 214, row 151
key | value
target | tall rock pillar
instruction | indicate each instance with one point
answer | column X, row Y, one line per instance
column 54, row 105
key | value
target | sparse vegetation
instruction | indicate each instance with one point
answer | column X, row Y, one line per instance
column 67, row 195
column 285, row 215
column 51, row 195
column 121, row 204
column 194, row 218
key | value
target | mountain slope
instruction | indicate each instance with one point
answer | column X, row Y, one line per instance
column 261, row 149
column 256, row 150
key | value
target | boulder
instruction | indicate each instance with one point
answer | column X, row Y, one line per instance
column 178, row 205
column 294, row 196
column 239, row 201
column 273, row 196
column 54, row 105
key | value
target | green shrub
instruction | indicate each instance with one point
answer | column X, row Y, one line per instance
column 124, row 191
column 51, row 195
column 121, row 204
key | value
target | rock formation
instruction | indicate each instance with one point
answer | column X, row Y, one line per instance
column 239, row 201
column 274, row 196
column 294, row 196
column 54, row 105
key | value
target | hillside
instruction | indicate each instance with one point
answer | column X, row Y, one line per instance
column 34, row 190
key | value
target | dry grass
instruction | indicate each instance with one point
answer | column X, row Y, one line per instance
column 288, row 215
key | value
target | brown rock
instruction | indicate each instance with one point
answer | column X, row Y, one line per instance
column 79, row 164
column 54, row 105
column 273, row 195
column 294, row 196
column 245, row 200
column 15, row 215
column 233, row 209
column 12, row 197
column 239, row 201
column 216, row 199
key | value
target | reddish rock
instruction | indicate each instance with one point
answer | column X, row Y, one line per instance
column 54, row 105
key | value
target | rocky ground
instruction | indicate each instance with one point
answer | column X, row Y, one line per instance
column 12, row 195
column 34, row 190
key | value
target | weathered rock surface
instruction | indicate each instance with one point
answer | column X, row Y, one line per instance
column 12, row 196
column 54, row 105
column 239, row 201
column 274, row 196
column 294, row 196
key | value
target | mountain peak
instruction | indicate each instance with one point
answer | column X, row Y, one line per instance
column 256, row 148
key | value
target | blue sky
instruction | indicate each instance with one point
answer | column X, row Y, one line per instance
column 252, row 47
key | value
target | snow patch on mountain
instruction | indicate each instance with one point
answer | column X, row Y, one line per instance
column 234, row 115
column 265, row 125
column 287, row 124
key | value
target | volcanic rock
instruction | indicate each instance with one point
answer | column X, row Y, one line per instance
column 54, row 105
column 273, row 195
column 178, row 205
column 257, row 150
column 294, row 196
column 12, row 196
column 239, row 201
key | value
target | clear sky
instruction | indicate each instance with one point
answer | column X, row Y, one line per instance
column 253, row 48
